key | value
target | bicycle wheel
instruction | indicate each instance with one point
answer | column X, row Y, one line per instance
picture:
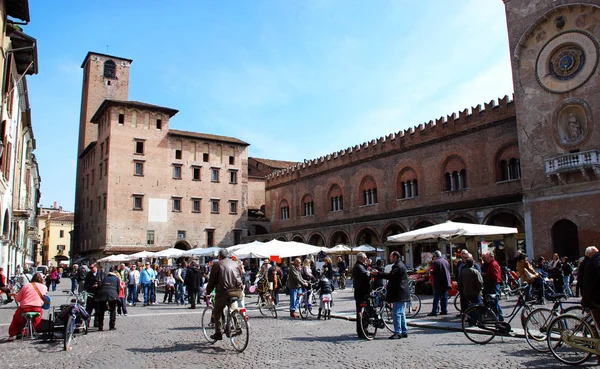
column 272, row 308
column 536, row 328
column 240, row 331
column 413, row 306
column 457, row 301
column 388, row 318
column 208, row 324
column 302, row 308
column 262, row 305
column 366, row 324
column 69, row 333
column 526, row 310
column 479, row 324
column 313, row 310
column 576, row 310
column 565, row 331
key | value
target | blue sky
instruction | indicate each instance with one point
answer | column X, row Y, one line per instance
column 296, row 79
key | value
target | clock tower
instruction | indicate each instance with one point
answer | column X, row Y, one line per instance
column 554, row 47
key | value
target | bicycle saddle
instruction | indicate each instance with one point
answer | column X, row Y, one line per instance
column 233, row 299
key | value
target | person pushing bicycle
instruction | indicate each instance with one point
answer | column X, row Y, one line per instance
column 226, row 278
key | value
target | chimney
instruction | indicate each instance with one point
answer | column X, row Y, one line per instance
column 54, row 205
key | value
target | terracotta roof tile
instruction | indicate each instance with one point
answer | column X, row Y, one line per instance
column 206, row 136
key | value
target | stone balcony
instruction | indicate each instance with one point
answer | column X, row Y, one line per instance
column 586, row 162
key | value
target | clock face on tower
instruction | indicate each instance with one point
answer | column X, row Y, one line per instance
column 567, row 61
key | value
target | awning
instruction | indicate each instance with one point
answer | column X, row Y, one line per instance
column 18, row 9
column 24, row 49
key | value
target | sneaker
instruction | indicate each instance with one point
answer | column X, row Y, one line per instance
column 432, row 314
column 404, row 335
column 11, row 338
column 443, row 313
column 395, row 337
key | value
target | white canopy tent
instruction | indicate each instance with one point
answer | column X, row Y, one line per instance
column 283, row 249
column 337, row 249
column 450, row 230
column 169, row 253
column 210, row 251
column 115, row 258
column 141, row 254
column 366, row 248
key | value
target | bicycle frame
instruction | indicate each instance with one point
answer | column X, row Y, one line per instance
column 591, row 344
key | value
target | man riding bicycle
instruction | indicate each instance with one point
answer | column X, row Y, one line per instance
column 226, row 278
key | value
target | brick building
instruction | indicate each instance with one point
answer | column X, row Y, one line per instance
column 144, row 186
column 531, row 163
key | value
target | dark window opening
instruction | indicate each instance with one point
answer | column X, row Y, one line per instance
column 110, row 69
column 121, row 118
column 139, row 147
column 205, row 157
column 231, row 160
column 196, row 174
column 158, row 124
column 178, row 154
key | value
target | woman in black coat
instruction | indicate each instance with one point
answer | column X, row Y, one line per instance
column 397, row 294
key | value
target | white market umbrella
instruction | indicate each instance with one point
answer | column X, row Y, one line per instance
column 115, row 258
column 169, row 253
column 366, row 248
column 338, row 249
column 282, row 249
column 243, row 245
column 450, row 230
column 210, row 251
column 141, row 254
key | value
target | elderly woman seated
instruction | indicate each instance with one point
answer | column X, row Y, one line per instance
column 30, row 299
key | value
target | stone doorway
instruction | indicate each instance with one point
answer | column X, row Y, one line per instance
column 565, row 239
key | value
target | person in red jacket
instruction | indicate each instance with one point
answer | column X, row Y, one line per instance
column 492, row 282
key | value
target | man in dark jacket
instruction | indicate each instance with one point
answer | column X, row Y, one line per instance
column 397, row 294
column 590, row 294
column 361, row 279
column 441, row 284
column 107, row 296
column 226, row 278
column 193, row 281
column 93, row 281
column 470, row 283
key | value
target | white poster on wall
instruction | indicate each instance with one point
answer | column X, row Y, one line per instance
column 158, row 210
column 485, row 247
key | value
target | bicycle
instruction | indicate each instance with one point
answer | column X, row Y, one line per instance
column 340, row 278
column 538, row 321
column 76, row 317
column 305, row 308
column 480, row 323
column 369, row 317
column 81, row 297
column 413, row 306
column 573, row 340
column 266, row 303
column 235, row 324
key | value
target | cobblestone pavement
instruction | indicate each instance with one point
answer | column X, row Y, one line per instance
column 168, row 336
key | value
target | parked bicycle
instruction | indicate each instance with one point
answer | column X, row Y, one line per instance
column 70, row 318
column 537, row 323
column 481, row 324
column 572, row 339
column 369, row 317
column 235, row 324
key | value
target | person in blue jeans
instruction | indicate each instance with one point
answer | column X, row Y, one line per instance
column 295, row 282
column 398, row 293
column 147, row 277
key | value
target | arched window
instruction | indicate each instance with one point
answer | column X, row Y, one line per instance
column 110, row 69
column 455, row 174
column 336, row 198
column 368, row 190
column 284, row 210
column 508, row 166
column 407, row 184
column 308, row 206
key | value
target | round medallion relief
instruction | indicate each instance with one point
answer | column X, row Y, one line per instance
column 567, row 61
column 572, row 124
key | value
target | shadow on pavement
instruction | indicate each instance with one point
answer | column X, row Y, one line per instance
column 338, row 339
column 202, row 347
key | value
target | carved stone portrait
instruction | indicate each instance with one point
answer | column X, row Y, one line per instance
column 572, row 123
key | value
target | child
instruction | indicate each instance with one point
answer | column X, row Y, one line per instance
column 325, row 290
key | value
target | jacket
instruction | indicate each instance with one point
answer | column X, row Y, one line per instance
column 225, row 276
column 361, row 279
column 328, row 271
column 591, row 287
column 470, row 282
column 294, row 278
column 193, row 279
column 92, row 283
column 325, row 286
column 441, row 274
column 526, row 271
column 397, row 287
column 109, row 289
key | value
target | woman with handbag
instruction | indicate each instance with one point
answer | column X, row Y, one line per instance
column 31, row 297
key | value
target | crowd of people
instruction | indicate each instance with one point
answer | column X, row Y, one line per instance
column 121, row 286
